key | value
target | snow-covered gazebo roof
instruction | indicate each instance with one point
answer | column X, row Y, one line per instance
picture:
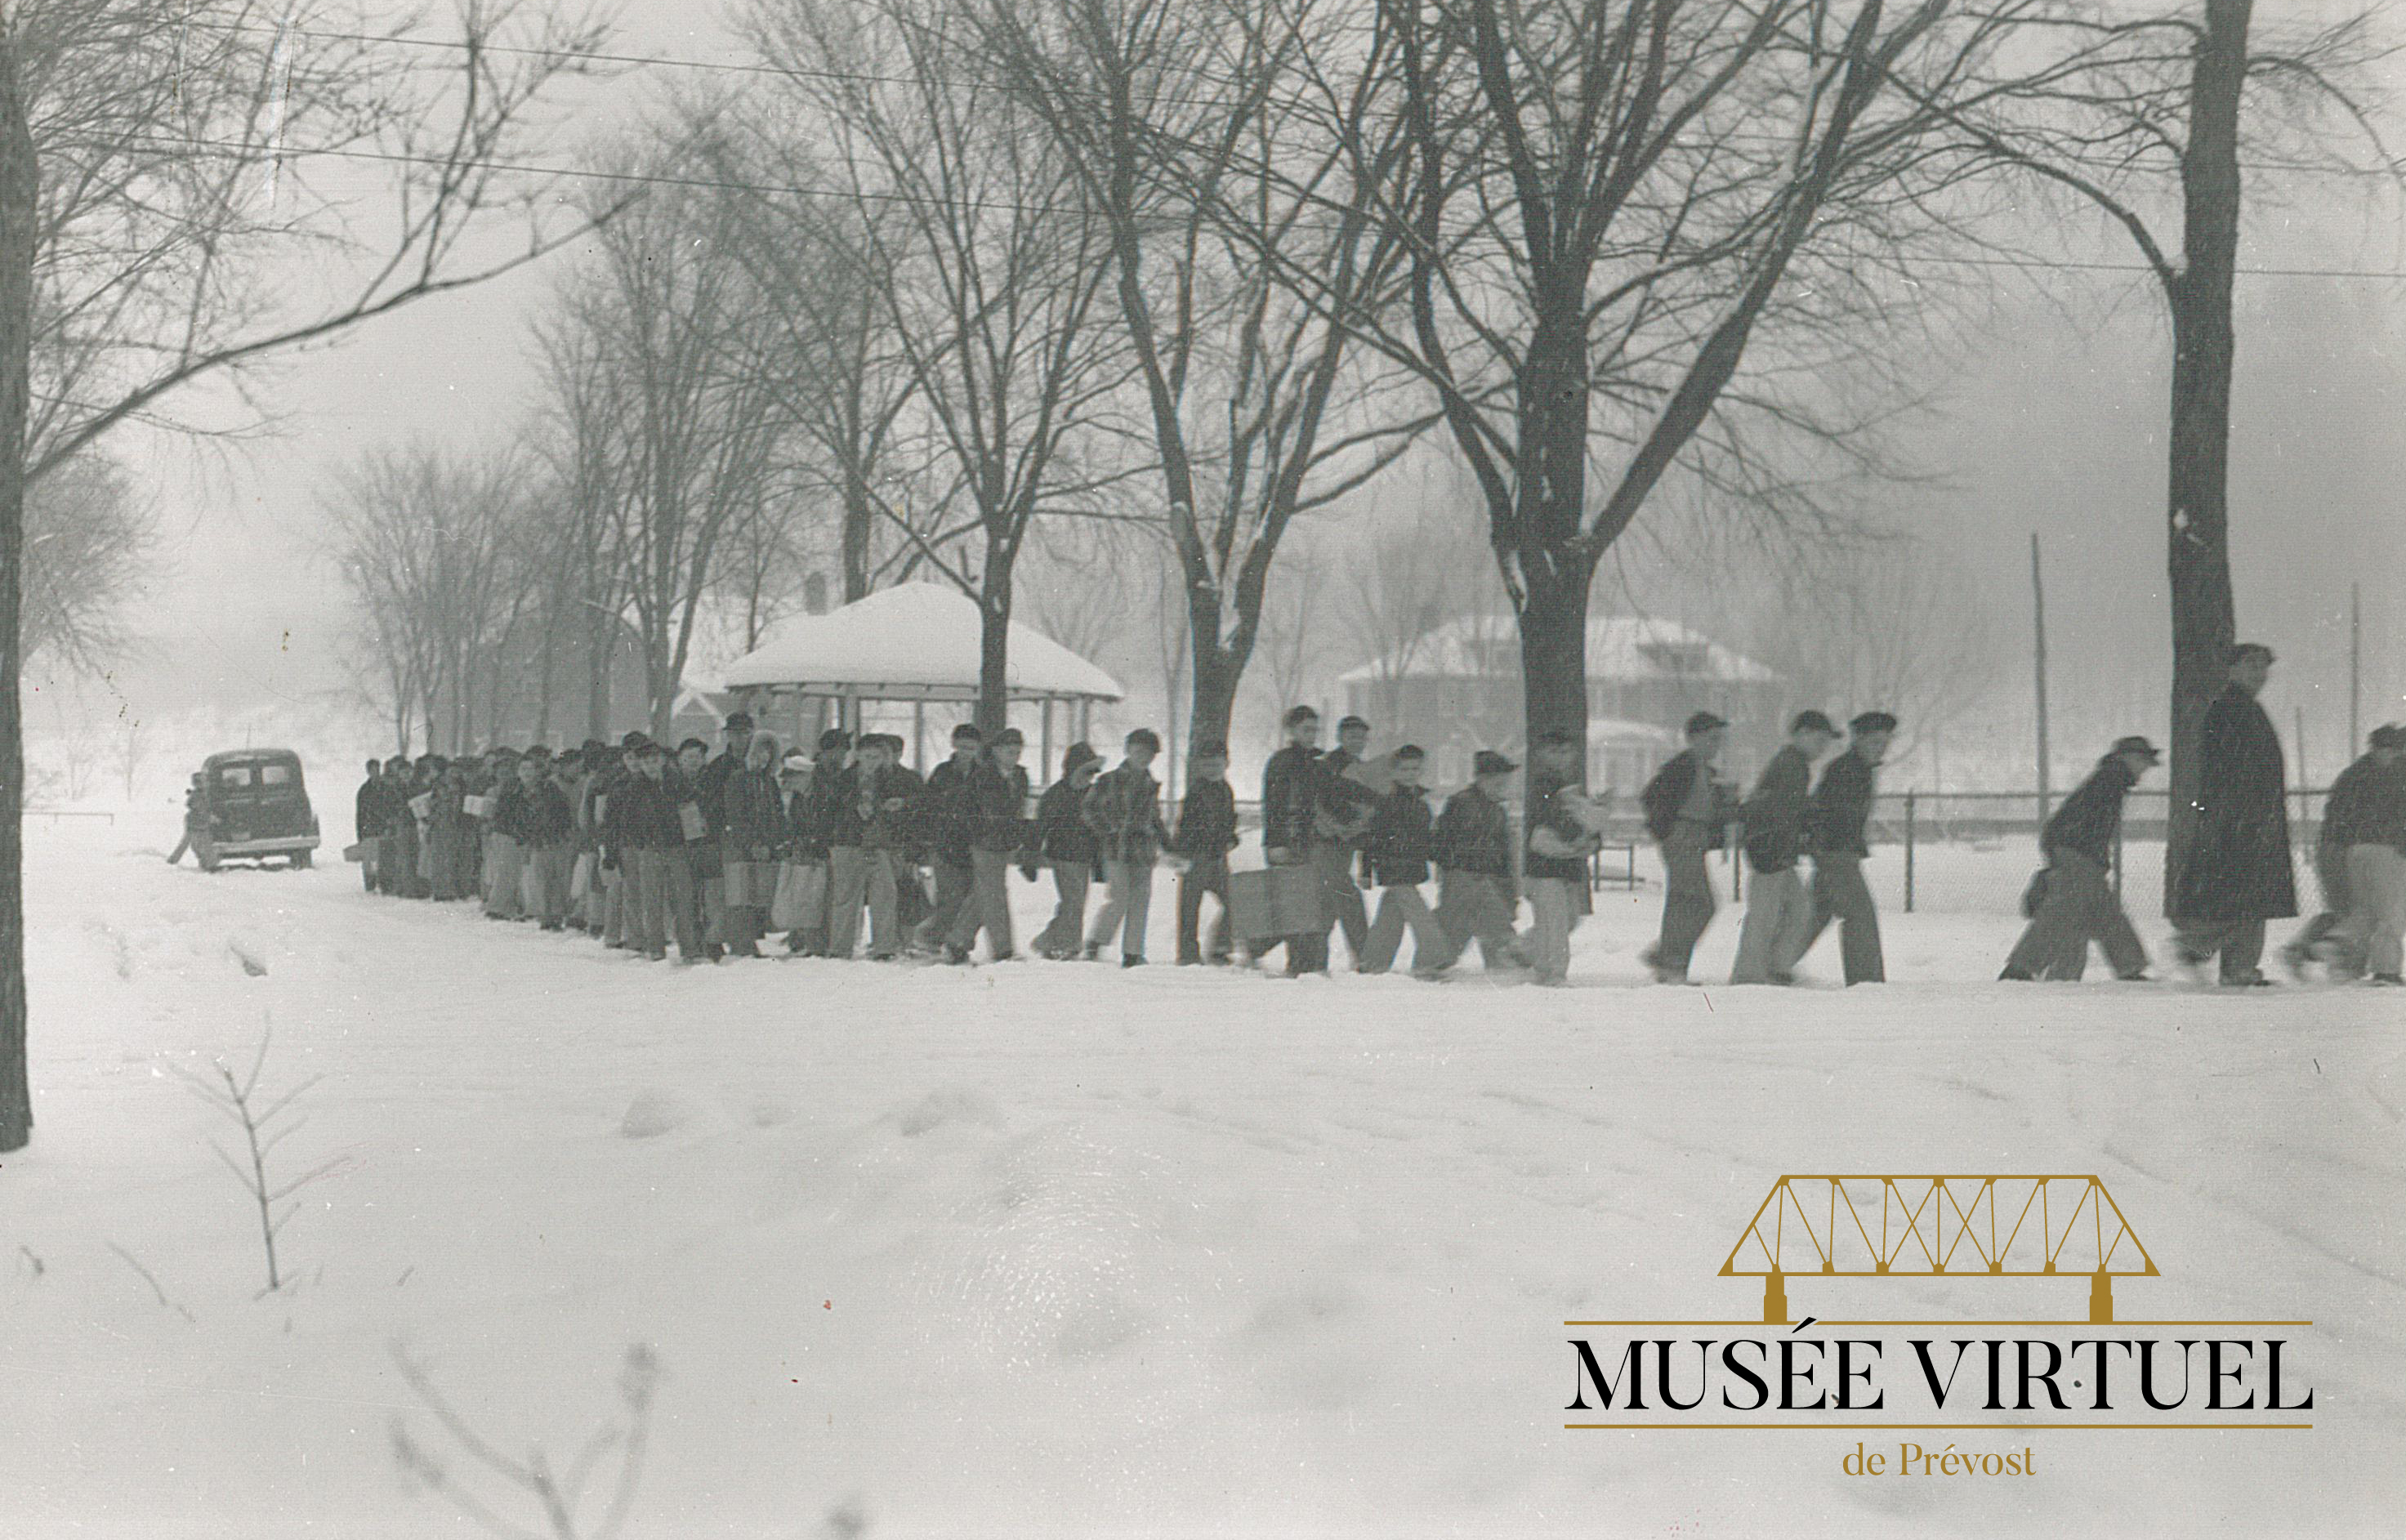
column 915, row 642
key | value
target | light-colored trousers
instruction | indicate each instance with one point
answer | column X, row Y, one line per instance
column 1127, row 908
column 858, row 872
column 1778, row 923
column 2376, row 905
column 1555, row 903
column 1068, row 929
column 986, row 906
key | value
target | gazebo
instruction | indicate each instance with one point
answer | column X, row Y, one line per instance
column 917, row 644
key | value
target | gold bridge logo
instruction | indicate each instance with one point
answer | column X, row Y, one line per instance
column 1887, row 1226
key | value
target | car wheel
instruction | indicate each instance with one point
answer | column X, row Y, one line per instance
column 300, row 860
column 207, row 856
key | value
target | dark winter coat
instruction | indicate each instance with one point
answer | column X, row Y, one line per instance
column 2367, row 806
column 752, row 816
column 993, row 807
column 945, row 814
column 1207, row 821
column 544, row 819
column 2238, row 866
column 1842, row 806
column 645, row 813
column 1124, row 808
column 1062, row 836
column 1400, row 839
column 819, row 807
column 1475, row 835
column 372, row 813
column 1547, row 811
column 1291, row 797
column 1668, row 792
column 2090, row 819
column 710, row 789
column 1777, row 811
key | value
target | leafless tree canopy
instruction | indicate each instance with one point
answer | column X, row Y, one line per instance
column 87, row 532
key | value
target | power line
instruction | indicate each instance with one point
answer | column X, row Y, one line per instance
column 717, row 184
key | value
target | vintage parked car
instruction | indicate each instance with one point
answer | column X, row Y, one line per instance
column 251, row 805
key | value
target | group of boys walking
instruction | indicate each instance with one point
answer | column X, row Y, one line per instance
column 640, row 848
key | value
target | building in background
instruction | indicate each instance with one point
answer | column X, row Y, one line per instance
column 1457, row 690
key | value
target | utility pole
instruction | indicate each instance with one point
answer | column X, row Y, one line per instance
column 2355, row 669
column 2038, row 656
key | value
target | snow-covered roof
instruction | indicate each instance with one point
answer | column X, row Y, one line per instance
column 1619, row 648
column 915, row 642
column 1602, row 730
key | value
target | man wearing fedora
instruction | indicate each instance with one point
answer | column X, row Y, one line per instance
column 2077, row 904
column 2238, row 873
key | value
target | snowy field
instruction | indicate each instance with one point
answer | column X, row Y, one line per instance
column 1054, row 1249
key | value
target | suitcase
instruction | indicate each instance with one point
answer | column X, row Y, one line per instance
column 1276, row 901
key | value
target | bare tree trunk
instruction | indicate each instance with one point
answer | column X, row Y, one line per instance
column 2204, row 623
column 994, row 647
column 858, row 514
column 598, row 639
column 20, row 186
column 1553, row 651
column 1211, row 706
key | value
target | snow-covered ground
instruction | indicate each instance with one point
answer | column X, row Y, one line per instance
column 1057, row 1248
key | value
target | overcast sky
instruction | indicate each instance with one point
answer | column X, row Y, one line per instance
column 2054, row 423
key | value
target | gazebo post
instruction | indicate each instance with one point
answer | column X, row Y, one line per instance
column 919, row 736
column 1086, row 721
column 1044, row 735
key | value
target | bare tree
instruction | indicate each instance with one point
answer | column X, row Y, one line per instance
column 1606, row 201
column 1222, row 144
column 151, row 169
column 989, row 274
column 2119, row 112
column 1417, row 572
column 86, row 536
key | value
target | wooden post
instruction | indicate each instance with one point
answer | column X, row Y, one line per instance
column 1045, row 733
column 2038, row 661
column 1909, row 809
column 919, row 736
column 2354, row 674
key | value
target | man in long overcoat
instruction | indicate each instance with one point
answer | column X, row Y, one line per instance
column 2238, row 874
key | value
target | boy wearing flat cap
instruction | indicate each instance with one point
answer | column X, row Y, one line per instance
column 2077, row 903
column 1687, row 810
column 1842, row 807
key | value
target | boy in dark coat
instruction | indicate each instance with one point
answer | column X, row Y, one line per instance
column 2238, row 872
column 1842, row 809
column 945, row 816
column 1398, row 843
column 1687, row 811
column 993, row 812
column 1555, row 854
column 1293, row 797
column 2369, row 803
column 2078, row 905
column 1778, row 910
column 1124, row 808
column 1472, row 847
column 1065, row 844
column 865, row 850
column 367, row 822
column 1207, row 832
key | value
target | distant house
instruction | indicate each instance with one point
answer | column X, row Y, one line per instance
column 1458, row 689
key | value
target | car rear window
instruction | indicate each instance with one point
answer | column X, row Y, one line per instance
column 252, row 776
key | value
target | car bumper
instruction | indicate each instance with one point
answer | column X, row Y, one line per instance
column 285, row 845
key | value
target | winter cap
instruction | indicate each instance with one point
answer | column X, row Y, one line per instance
column 1147, row 737
column 1873, row 722
column 2135, row 744
column 633, row 741
column 967, row 733
column 739, row 721
column 693, row 743
column 1703, row 722
column 1076, row 755
column 1488, row 762
column 2389, row 735
column 1296, row 715
column 1811, row 721
column 833, row 740
column 2239, row 651
column 1011, row 736
column 1351, row 722
column 1409, row 751
column 649, row 749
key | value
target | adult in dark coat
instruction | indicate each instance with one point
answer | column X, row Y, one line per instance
column 1066, row 845
column 1472, row 846
column 1293, row 796
column 2078, row 905
column 991, row 811
column 367, row 823
column 2238, row 873
column 1207, row 832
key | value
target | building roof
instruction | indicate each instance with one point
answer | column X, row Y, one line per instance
column 1619, row 648
column 915, row 642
